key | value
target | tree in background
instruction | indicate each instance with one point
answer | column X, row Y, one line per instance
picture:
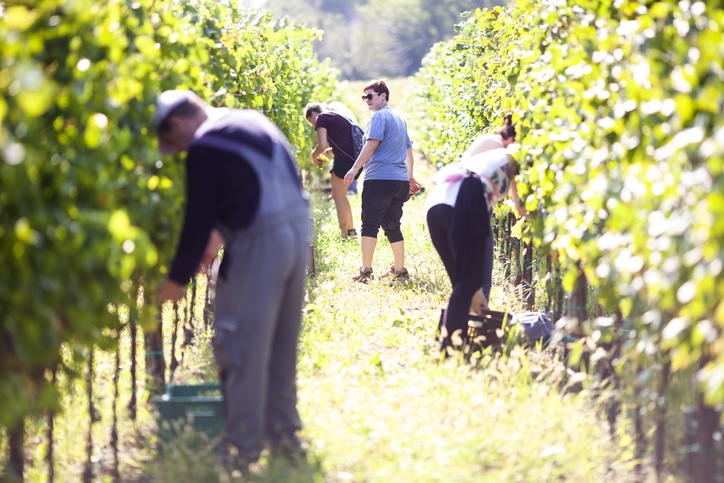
column 374, row 38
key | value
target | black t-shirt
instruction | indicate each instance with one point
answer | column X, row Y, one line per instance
column 221, row 187
column 339, row 134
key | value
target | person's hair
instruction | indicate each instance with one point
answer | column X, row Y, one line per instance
column 313, row 107
column 508, row 130
column 187, row 109
column 379, row 87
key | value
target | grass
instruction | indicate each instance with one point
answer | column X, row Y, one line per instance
column 378, row 406
column 376, row 403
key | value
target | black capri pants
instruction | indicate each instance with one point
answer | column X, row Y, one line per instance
column 382, row 202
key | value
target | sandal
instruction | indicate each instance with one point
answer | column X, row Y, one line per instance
column 402, row 274
column 364, row 275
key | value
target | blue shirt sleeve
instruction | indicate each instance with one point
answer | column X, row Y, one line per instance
column 376, row 127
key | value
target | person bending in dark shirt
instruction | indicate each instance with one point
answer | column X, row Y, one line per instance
column 243, row 190
column 334, row 133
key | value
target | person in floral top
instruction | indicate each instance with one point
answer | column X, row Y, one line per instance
column 458, row 218
column 502, row 138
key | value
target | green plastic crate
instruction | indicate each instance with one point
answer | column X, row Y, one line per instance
column 194, row 411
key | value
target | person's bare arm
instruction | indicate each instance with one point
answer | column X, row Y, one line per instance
column 170, row 290
column 367, row 150
column 516, row 199
column 321, row 147
column 410, row 163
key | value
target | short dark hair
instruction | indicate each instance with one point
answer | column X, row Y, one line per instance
column 379, row 87
column 508, row 130
column 186, row 109
column 313, row 107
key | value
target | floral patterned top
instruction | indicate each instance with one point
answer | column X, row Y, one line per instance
column 493, row 168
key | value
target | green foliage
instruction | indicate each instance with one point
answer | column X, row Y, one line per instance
column 620, row 114
column 465, row 81
column 87, row 209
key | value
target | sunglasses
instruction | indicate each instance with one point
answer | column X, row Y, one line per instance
column 369, row 97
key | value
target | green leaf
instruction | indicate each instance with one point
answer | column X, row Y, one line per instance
column 119, row 225
column 20, row 17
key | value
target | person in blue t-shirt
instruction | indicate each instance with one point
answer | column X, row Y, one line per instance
column 387, row 158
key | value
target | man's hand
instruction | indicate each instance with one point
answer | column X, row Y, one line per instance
column 170, row 290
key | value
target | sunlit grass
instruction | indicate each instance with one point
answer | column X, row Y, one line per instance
column 378, row 406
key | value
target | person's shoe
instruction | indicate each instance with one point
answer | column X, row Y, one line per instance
column 351, row 234
column 364, row 275
column 401, row 274
column 237, row 466
column 291, row 451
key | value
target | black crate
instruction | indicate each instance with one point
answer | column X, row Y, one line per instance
column 484, row 330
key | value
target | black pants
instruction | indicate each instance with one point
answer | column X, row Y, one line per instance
column 464, row 255
column 382, row 202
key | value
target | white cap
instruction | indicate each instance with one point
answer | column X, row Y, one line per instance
column 166, row 102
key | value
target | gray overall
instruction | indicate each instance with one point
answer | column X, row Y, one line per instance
column 258, row 305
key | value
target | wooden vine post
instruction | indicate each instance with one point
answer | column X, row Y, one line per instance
column 188, row 326
column 114, row 428
column 527, row 280
column 508, row 246
column 178, row 312
column 517, row 261
column 660, row 434
column 554, row 289
column 577, row 300
column 133, row 328
column 50, row 456
column 707, row 423
column 88, row 470
column 211, row 268
column 155, row 362
column 16, row 449
column 132, row 401
column 639, row 434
